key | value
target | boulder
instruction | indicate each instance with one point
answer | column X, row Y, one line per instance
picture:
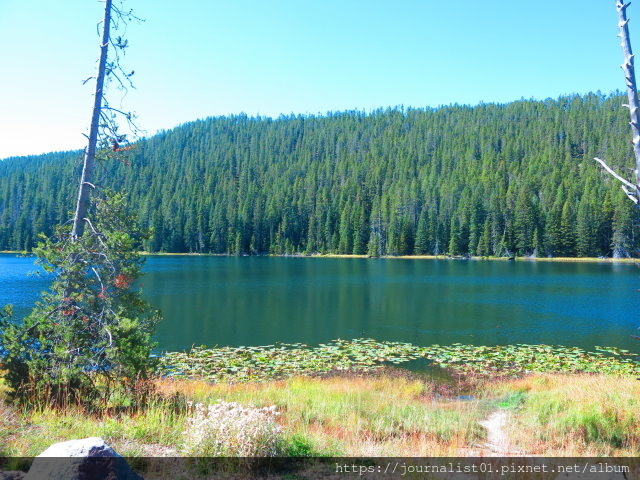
column 85, row 459
column 12, row 475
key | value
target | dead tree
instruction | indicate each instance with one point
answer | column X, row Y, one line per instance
column 82, row 206
column 104, row 126
column 632, row 190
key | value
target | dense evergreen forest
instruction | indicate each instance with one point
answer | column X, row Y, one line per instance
column 514, row 179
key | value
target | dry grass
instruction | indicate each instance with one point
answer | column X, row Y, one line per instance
column 574, row 415
column 340, row 415
column 28, row 433
column 373, row 415
column 9, row 424
column 350, row 415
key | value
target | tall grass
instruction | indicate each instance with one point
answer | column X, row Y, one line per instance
column 372, row 415
column 350, row 415
column 576, row 414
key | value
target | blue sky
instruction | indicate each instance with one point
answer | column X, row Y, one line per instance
column 198, row 58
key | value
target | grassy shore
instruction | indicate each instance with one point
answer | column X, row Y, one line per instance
column 344, row 399
column 388, row 413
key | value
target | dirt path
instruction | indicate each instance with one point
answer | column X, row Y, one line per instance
column 497, row 438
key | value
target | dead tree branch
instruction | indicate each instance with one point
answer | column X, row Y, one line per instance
column 633, row 106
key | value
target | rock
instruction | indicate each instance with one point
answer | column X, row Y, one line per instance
column 85, row 459
column 12, row 475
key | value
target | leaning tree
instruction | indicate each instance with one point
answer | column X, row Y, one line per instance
column 90, row 334
column 104, row 125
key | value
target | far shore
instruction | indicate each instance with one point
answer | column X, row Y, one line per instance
column 399, row 257
column 504, row 259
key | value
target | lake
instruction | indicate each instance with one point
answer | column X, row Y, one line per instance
column 236, row 301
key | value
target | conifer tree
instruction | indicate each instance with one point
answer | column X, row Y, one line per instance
column 454, row 247
column 245, row 191
column 422, row 234
column 90, row 334
column 484, row 243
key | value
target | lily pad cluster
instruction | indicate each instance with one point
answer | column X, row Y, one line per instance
column 284, row 360
column 510, row 360
column 241, row 364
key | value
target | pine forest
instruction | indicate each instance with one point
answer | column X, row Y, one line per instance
column 513, row 179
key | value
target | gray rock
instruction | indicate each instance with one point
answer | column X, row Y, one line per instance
column 12, row 475
column 85, row 459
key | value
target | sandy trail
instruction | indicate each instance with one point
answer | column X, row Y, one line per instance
column 497, row 438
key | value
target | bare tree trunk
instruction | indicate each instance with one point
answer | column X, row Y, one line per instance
column 632, row 92
column 86, row 179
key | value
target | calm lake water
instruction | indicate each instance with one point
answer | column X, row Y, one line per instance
column 262, row 300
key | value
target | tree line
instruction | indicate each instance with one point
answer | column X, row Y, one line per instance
column 493, row 179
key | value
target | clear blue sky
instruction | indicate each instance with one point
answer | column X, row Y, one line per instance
column 198, row 58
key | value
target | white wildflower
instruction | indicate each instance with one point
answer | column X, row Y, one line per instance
column 229, row 429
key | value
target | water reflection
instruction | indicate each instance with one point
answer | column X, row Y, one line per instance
column 239, row 301
column 261, row 300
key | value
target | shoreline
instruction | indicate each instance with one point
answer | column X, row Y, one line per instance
column 409, row 257
column 320, row 394
column 475, row 258
column 385, row 257
column 393, row 416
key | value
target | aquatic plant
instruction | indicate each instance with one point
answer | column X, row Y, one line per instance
column 240, row 364
column 284, row 360
column 522, row 358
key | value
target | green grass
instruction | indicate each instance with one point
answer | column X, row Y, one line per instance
column 350, row 415
column 577, row 414
column 366, row 409
column 34, row 431
column 371, row 415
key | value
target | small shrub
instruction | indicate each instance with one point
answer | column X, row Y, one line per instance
column 298, row 446
column 228, row 429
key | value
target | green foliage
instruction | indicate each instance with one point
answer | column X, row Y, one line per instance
column 90, row 333
column 297, row 446
column 521, row 359
column 283, row 360
column 6, row 312
column 489, row 180
column 243, row 364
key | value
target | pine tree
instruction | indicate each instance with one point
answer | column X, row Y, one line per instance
column 346, row 232
column 525, row 222
column 422, row 235
column 90, row 334
column 586, row 229
column 622, row 242
column 567, row 231
column 454, row 247
column 484, row 243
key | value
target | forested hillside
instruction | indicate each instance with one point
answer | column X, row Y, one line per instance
column 487, row 180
